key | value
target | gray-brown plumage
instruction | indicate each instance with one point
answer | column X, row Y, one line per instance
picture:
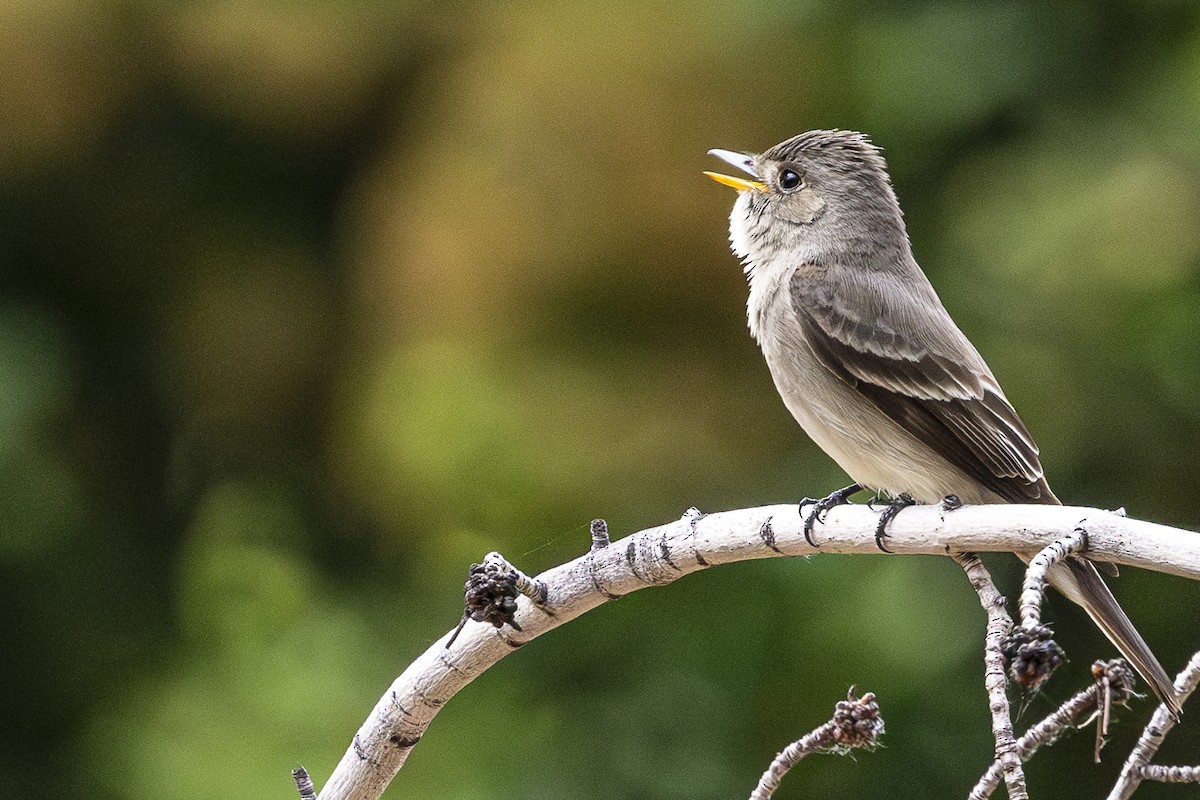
column 868, row 360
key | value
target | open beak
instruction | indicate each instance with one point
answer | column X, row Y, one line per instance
column 743, row 162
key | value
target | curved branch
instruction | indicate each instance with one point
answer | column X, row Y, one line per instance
column 660, row 555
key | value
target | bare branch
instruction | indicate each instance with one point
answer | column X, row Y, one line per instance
column 1033, row 591
column 1113, row 678
column 1032, row 653
column 1153, row 734
column 999, row 623
column 663, row 554
column 1154, row 772
column 856, row 724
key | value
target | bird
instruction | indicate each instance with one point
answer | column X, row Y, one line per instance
column 870, row 363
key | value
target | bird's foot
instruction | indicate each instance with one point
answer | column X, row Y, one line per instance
column 951, row 503
column 821, row 507
column 889, row 513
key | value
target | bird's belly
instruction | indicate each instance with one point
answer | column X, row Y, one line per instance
column 874, row 451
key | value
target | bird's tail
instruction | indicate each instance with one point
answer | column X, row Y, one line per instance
column 1082, row 584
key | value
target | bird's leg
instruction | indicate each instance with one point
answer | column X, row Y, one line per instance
column 820, row 507
column 889, row 513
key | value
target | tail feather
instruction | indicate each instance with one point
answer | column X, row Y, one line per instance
column 1083, row 585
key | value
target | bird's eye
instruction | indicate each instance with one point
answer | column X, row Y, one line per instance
column 790, row 180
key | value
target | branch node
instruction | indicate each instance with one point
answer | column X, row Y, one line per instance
column 856, row 723
column 599, row 530
column 491, row 593
column 767, row 534
column 1114, row 686
column 1031, row 654
column 304, row 784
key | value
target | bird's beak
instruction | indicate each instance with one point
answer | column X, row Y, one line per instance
column 742, row 161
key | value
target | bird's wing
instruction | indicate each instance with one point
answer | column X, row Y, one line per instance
column 890, row 338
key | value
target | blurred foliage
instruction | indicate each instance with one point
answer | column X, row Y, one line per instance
column 307, row 306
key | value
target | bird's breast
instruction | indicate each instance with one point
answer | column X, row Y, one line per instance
column 873, row 450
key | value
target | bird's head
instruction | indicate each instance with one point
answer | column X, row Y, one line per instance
column 818, row 195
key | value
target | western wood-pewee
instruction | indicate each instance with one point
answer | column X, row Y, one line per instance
column 870, row 363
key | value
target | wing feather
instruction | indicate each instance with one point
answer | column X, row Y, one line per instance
column 921, row 371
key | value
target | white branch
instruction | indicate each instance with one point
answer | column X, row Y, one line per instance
column 1153, row 734
column 661, row 555
column 1177, row 774
column 856, row 724
column 999, row 624
column 1033, row 590
column 1047, row 730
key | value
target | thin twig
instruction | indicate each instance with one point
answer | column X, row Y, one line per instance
column 1114, row 674
column 1115, row 684
column 1033, row 590
column 855, row 724
column 1164, row 774
column 1153, row 734
column 999, row 623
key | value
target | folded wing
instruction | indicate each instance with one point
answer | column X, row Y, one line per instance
column 895, row 344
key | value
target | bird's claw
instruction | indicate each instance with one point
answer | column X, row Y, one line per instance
column 821, row 507
column 889, row 513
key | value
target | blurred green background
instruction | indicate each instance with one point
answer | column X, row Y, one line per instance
column 306, row 306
